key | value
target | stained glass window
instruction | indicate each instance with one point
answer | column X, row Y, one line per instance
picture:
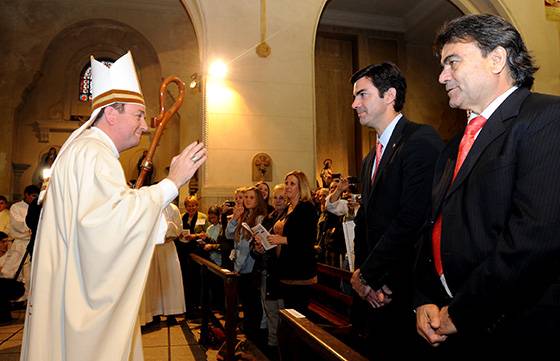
column 85, row 79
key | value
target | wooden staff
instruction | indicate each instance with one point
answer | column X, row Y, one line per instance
column 160, row 122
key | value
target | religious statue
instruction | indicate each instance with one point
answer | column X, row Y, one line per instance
column 326, row 173
column 45, row 162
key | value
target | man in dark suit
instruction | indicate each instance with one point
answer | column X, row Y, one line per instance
column 396, row 177
column 490, row 264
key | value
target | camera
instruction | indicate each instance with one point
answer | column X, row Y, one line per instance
column 229, row 203
column 353, row 183
column 357, row 198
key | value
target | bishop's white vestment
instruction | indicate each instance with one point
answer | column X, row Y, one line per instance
column 93, row 249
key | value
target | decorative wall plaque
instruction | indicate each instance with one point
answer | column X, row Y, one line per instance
column 262, row 167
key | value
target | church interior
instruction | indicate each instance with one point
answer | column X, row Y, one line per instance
column 267, row 84
column 293, row 105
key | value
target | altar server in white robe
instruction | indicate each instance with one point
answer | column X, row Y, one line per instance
column 96, row 236
column 164, row 294
column 18, row 230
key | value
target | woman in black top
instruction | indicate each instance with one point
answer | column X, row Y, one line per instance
column 296, row 235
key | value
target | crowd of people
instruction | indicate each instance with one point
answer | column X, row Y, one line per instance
column 15, row 248
column 276, row 268
column 450, row 245
column 298, row 220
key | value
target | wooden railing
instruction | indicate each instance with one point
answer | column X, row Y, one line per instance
column 230, row 292
column 301, row 339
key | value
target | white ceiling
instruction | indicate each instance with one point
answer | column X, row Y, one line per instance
column 417, row 19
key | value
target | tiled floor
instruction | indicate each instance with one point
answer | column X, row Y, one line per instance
column 10, row 336
column 161, row 342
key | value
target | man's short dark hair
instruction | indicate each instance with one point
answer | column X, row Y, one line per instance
column 489, row 32
column 31, row 189
column 385, row 76
column 118, row 106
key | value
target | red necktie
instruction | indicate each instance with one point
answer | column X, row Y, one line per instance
column 465, row 146
column 378, row 152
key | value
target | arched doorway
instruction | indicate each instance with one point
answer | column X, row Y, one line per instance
column 354, row 33
column 53, row 50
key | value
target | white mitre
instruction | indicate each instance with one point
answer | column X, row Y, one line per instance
column 116, row 84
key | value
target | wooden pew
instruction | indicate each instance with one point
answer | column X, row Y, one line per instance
column 328, row 302
column 301, row 339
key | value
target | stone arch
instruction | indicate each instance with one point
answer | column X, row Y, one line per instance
column 495, row 7
column 194, row 12
column 50, row 109
column 29, row 39
column 71, row 48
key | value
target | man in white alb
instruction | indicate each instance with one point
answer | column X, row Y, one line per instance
column 96, row 236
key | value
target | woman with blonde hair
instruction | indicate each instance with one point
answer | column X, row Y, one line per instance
column 296, row 234
column 193, row 220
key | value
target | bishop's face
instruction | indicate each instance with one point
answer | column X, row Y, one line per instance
column 131, row 124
